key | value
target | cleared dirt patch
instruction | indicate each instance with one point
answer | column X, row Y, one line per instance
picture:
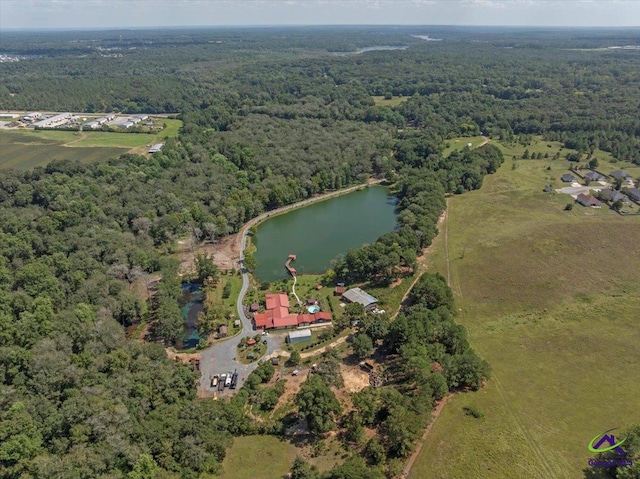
column 355, row 379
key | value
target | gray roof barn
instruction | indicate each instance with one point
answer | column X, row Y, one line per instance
column 568, row 178
column 356, row 295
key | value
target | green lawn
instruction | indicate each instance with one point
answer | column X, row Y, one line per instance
column 550, row 298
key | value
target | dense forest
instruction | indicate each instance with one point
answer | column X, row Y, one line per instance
column 271, row 116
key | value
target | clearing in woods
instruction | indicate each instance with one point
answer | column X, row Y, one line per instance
column 550, row 298
column 27, row 149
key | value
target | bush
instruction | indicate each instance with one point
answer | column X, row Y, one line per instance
column 471, row 411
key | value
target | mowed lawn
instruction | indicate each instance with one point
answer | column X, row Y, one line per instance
column 551, row 298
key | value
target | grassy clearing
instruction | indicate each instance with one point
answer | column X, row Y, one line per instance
column 27, row 149
column 258, row 457
column 81, row 138
column 27, row 157
column 550, row 298
column 395, row 101
column 171, row 129
column 460, row 142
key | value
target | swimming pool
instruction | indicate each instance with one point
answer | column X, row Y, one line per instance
column 313, row 309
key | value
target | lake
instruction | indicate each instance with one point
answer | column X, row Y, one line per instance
column 319, row 232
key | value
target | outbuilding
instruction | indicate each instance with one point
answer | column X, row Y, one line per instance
column 223, row 331
column 299, row 336
column 356, row 295
column 568, row 178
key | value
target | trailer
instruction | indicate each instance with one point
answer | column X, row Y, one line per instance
column 227, row 381
column 234, row 380
column 221, row 382
column 214, row 381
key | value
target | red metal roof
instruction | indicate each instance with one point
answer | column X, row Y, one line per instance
column 278, row 315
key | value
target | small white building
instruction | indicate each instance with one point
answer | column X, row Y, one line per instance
column 156, row 148
column 299, row 336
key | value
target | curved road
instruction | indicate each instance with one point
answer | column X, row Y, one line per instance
column 221, row 357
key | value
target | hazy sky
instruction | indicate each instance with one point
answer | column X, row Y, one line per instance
column 147, row 13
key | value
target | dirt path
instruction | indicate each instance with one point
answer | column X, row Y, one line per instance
column 434, row 415
column 422, row 264
column 324, row 349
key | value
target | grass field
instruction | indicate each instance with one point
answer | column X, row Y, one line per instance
column 551, row 298
column 27, row 149
column 258, row 457
column 395, row 101
column 460, row 142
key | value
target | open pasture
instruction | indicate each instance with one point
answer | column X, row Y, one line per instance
column 551, row 299
column 24, row 152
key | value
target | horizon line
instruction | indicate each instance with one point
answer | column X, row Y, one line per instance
column 312, row 25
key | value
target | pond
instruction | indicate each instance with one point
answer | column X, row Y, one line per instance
column 192, row 303
column 319, row 232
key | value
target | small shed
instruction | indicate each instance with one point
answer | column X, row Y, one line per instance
column 223, row 331
column 339, row 291
column 548, row 189
column 318, row 287
column 251, row 342
column 255, row 306
column 237, row 323
column 568, row 178
column 299, row 336
column 275, row 361
column 311, row 302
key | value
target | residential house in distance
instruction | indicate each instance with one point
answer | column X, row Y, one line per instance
column 356, row 295
column 568, row 178
column 634, row 194
column 613, row 196
column 594, row 176
column 588, row 200
column 620, row 175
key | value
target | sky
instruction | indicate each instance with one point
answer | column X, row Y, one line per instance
column 48, row 14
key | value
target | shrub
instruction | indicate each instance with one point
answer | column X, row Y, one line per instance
column 471, row 411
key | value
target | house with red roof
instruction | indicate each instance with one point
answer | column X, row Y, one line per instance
column 278, row 316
